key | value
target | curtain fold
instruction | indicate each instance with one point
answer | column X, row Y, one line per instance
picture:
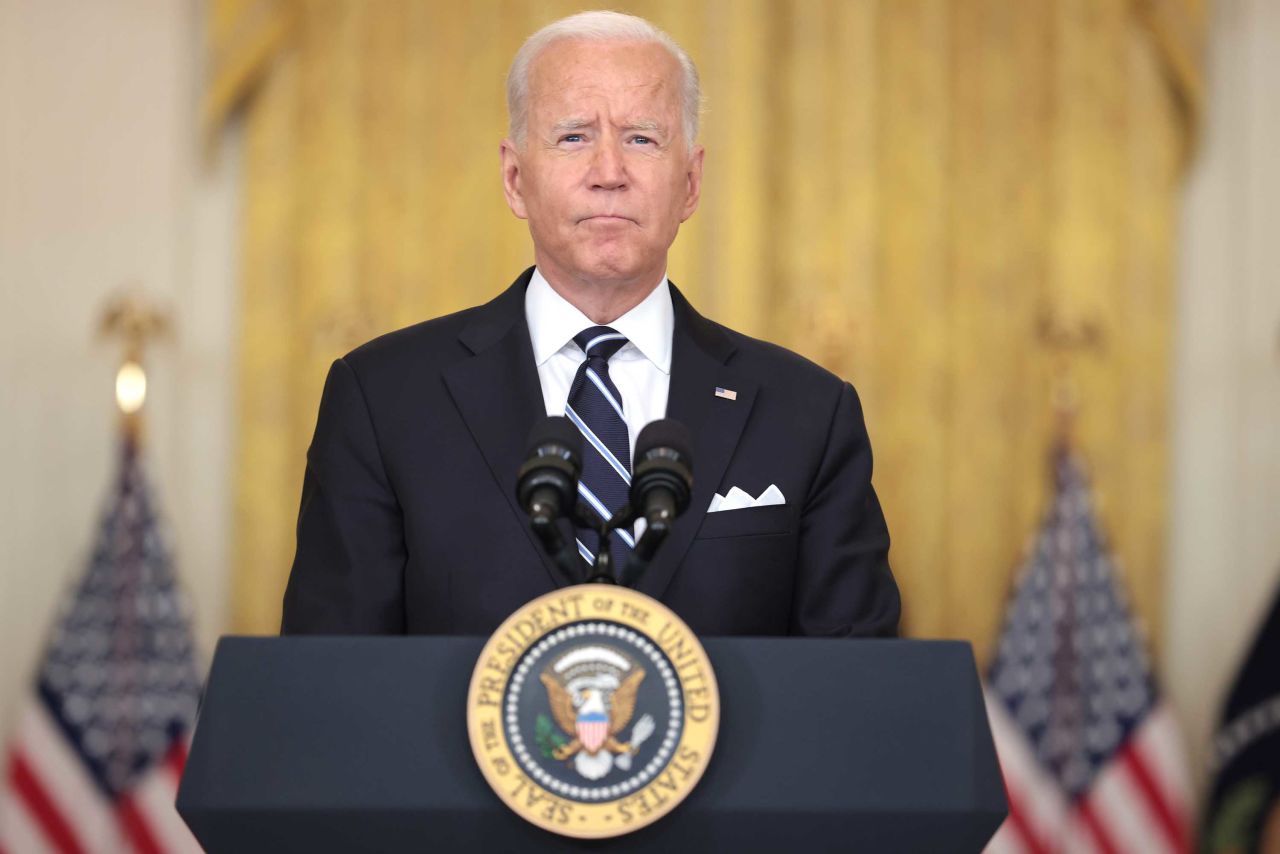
column 902, row 191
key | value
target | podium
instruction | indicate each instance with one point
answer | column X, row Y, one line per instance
column 359, row 744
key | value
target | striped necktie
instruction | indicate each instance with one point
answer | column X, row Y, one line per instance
column 595, row 407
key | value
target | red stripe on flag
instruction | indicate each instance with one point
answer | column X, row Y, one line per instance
column 1018, row 821
column 1175, row 829
column 41, row 806
column 1096, row 827
column 135, row 827
column 176, row 760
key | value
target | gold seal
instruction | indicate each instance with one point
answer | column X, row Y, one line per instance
column 593, row 711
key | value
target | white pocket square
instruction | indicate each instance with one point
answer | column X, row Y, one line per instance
column 736, row 499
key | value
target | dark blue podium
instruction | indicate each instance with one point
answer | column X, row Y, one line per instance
column 360, row 745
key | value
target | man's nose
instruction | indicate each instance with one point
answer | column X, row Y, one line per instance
column 608, row 171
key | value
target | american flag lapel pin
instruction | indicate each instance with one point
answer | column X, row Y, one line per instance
column 726, row 393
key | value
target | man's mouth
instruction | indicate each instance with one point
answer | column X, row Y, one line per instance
column 608, row 218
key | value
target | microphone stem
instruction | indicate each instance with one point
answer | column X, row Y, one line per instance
column 639, row 558
column 604, row 571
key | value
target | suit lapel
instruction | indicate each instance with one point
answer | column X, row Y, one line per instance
column 700, row 352
column 499, row 396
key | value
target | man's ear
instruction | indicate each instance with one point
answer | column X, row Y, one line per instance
column 693, row 178
column 511, row 178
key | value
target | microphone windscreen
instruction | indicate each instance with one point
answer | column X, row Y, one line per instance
column 665, row 433
column 557, row 430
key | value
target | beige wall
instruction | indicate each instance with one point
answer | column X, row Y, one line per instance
column 1225, row 531
column 100, row 185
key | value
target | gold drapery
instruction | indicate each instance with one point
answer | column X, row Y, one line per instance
column 902, row 190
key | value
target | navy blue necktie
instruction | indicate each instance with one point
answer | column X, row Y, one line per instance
column 595, row 407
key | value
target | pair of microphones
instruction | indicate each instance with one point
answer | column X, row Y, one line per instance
column 661, row 485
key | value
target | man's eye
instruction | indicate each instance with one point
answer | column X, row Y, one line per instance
column 642, row 139
column 571, row 137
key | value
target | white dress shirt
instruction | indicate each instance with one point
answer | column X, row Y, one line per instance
column 641, row 369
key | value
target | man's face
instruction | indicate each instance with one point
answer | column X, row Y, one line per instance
column 604, row 176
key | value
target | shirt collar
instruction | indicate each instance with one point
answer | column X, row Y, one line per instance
column 553, row 321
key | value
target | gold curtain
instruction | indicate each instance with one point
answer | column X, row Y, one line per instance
column 903, row 190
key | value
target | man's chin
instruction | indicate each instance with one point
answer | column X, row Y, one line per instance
column 612, row 270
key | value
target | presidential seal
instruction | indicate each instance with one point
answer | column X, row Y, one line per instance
column 593, row 711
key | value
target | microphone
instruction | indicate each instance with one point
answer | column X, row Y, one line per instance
column 661, row 486
column 547, row 482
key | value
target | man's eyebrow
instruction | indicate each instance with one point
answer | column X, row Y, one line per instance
column 643, row 124
column 580, row 123
column 572, row 124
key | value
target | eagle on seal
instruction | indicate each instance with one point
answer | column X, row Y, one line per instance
column 593, row 700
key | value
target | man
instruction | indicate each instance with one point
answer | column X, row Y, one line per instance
column 409, row 520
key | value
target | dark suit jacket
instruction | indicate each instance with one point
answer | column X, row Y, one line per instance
column 409, row 521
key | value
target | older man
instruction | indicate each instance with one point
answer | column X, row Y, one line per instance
column 409, row 521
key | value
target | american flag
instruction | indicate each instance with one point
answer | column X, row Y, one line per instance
column 100, row 745
column 1091, row 755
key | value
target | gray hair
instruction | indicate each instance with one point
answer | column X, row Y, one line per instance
column 600, row 27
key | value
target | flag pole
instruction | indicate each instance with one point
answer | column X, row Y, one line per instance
column 136, row 322
column 1066, row 339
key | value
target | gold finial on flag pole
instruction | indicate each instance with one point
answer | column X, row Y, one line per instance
column 1066, row 339
column 137, row 322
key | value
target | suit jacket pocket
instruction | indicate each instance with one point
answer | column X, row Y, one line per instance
column 748, row 522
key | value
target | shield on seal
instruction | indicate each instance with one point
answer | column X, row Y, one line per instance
column 593, row 728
